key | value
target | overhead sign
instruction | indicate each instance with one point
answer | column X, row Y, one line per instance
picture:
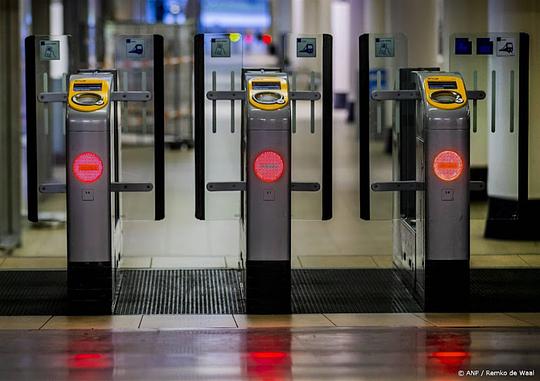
column 49, row 50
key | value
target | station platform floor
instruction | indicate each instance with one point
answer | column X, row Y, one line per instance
column 310, row 347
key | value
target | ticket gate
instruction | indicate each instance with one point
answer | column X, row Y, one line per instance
column 430, row 162
column 500, row 64
column 261, row 159
column 94, row 180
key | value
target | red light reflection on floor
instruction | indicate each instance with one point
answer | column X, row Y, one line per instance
column 89, row 361
column 269, row 366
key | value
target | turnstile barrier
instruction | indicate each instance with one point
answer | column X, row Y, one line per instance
column 94, row 179
column 499, row 64
column 245, row 122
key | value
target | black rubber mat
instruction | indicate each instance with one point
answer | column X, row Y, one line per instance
column 501, row 290
column 220, row 292
column 33, row 293
column 355, row 290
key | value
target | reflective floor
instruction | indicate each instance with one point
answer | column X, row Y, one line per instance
column 277, row 354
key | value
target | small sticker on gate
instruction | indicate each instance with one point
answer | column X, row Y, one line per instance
column 135, row 48
column 49, row 50
column 306, row 47
column 506, row 46
column 220, row 47
column 384, row 47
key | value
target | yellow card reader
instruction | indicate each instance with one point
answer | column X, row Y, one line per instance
column 445, row 91
column 268, row 93
column 88, row 94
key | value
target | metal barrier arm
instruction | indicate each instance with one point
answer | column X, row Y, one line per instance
column 226, row 95
column 52, row 188
column 395, row 95
column 232, row 186
column 131, row 187
column 401, row 186
column 477, row 186
column 241, row 95
column 226, row 186
column 476, row 95
column 116, row 96
column 304, row 95
column 305, row 187
column 397, row 186
column 114, row 187
column 406, row 95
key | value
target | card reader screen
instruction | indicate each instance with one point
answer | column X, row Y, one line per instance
column 87, row 87
column 266, row 85
column 442, row 85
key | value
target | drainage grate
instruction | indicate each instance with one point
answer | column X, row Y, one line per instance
column 219, row 291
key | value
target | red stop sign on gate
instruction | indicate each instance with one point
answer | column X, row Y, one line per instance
column 268, row 166
column 448, row 165
column 87, row 167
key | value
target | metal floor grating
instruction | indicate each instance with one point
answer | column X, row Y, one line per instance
column 219, row 291
column 179, row 292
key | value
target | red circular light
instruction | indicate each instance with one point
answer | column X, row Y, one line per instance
column 448, row 165
column 266, row 39
column 268, row 166
column 87, row 167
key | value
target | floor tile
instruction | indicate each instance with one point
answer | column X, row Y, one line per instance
column 295, row 262
column 383, row 262
column 232, row 261
column 497, row 261
column 528, row 317
column 187, row 321
column 472, row 320
column 34, row 263
column 135, row 262
column 377, row 320
column 282, row 321
column 94, row 322
column 531, row 260
column 22, row 322
column 188, row 262
column 337, row 261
